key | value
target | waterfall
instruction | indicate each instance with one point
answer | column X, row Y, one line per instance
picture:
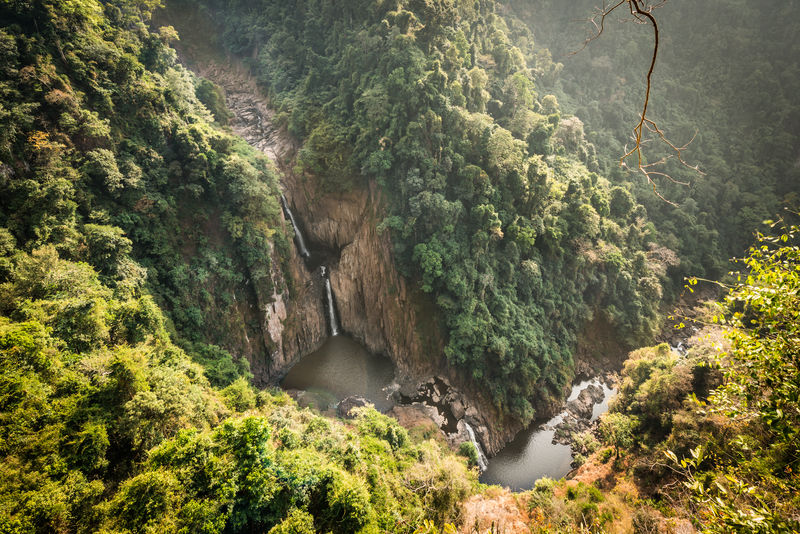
column 679, row 349
column 298, row 236
column 482, row 463
column 331, row 307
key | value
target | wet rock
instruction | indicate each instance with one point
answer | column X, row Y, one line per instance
column 577, row 416
column 582, row 407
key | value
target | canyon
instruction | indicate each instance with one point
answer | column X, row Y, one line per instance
column 376, row 305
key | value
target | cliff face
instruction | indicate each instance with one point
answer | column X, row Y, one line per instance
column 376, row 305
column 288, row 322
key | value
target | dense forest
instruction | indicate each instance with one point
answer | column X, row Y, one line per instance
column 108, row 162
column 110, row 158
column 725, row 79
column 138, row 234
column 492, row 207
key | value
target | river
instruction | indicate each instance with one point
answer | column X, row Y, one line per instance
column 339, row 369
column 342, row 367
column 532, row 454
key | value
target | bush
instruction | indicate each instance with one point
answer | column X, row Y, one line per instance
column 239, row 396
column 645, row 521
column 585, row 443
column 297, row 522
column 468, row 450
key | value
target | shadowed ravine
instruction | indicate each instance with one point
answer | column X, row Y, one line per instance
column 346, row 283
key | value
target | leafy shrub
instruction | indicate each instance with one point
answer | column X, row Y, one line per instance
column 467, row 449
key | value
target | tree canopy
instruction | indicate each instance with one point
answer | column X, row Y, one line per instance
column 494, row 205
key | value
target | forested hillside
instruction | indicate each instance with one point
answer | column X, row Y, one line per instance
column 106, row 426
column 113, row 180
column 727, row 72
column 109, row 158
column 491, row 206
column 141, row 244
column 713, row 433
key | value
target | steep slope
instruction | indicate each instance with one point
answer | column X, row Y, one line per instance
column 375, row 304
column 105, row 423
column 732, row 89
column 121, row 165
column 489, row 204
column 108, row 426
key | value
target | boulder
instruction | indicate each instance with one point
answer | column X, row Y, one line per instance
column 346, row 406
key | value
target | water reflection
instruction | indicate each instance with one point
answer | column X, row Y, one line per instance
column 533, row 455
column 340, row 368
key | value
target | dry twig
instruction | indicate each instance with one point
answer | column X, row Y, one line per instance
column 641, row 13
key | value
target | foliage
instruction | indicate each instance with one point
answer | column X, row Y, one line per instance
column 725, row 414
column 584, row 443
column 468, row 450
column 759, row 395
column 655, row 383
column 733, row 89
column 491, row 206
column 567, row 506
column 617, row 429
column 120, row 199
column 82, row 398
column 102, row 433
column 108, row 155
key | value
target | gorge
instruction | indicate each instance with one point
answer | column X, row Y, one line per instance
column 298, row 267
column 382, row 318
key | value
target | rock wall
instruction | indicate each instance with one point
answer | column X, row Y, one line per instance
column 376, row 305
column 291, row 319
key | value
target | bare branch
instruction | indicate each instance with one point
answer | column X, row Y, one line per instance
column 641, row 13
column 599, row 26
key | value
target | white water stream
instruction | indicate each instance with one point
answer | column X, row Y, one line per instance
column 298, row 235
column 332, row 319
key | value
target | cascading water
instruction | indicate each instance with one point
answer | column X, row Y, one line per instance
column 482, row 463
column 679, row 349
column 331, row 307
column 298, row 236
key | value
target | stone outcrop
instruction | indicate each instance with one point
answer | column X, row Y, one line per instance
column 577, row 415
column 581, row 407
column 348, row 404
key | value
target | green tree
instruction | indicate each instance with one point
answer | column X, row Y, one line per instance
column 759, row 395
column 297, row 522
column 617, row 430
